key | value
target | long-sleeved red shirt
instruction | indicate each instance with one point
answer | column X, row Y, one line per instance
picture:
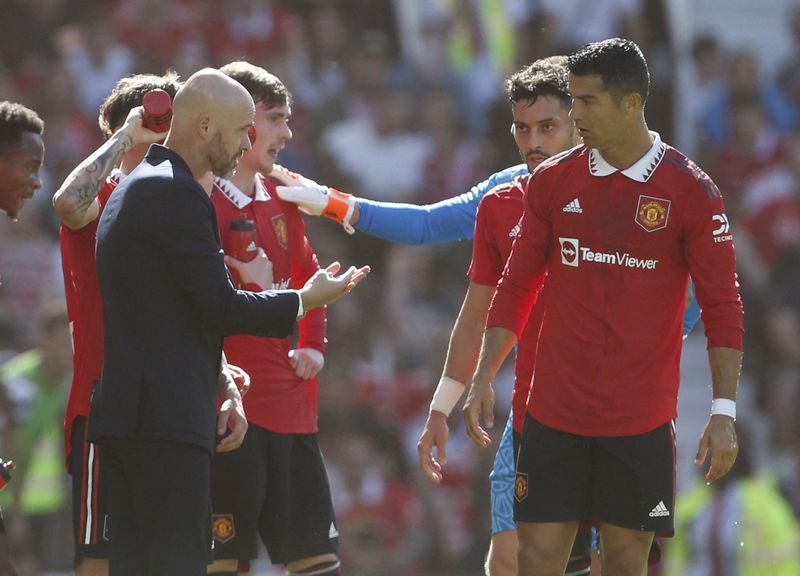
column 619, row 247
column 496, row 227
column 278, row 400
column 85, row 310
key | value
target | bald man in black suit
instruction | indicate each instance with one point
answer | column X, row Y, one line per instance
column 168, row 303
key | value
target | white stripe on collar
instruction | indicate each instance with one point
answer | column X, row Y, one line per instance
column 640, row 171
column 239, row 198
column 116, row 176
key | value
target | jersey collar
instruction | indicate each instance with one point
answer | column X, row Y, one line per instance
column 239, row 198
column 640, row 171
column 116, row 176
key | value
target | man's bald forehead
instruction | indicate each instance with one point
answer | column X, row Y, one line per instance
column 210, row 88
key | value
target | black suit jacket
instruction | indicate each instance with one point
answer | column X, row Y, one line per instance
column 168, row 302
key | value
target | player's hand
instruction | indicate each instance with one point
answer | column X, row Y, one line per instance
column 480, row 401
column 134, row 126
column 240, row 378
column 325, row 287
column 256, row 271
column 435, row 434
column 231, row 419
column 307, row 362
column 719, row 438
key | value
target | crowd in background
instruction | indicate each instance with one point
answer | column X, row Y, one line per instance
column 392, row 100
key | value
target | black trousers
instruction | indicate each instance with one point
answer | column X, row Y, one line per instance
column 160, row 511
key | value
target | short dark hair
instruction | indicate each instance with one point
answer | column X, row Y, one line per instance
column 619, row 62
column 262, row 86
column 545, row 77
column 15, row 119
column 128, row 94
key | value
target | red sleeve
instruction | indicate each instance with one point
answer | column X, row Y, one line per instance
column 487, row 263
column 312, row 327
column 524, row 273
column 710, row 255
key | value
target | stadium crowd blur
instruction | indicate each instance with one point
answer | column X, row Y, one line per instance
column 393, row 100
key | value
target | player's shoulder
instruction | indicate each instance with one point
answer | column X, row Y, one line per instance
column 513, row 189
column 562, row 161
column 505, row 176
column 270, row 184
column 683, row 170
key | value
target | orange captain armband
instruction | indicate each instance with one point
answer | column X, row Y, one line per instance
column 340, row 208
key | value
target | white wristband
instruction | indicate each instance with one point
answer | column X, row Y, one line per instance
column 447, row 395
column 724, row 407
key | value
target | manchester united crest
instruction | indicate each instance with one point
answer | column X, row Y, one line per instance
column 223, row 527
column 652, row 213
column 281, row 230
column 521, row 487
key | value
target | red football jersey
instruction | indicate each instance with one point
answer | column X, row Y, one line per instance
column 85, row 309
column 278, row 400
column 496, row 226
column 619, row 247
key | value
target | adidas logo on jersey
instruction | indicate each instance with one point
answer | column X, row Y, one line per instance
column 252, row 246
column 659, row 510
column 574, row 207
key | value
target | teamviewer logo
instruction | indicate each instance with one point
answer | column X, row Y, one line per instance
column 570, row 247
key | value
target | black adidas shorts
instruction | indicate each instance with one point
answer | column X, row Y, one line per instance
column 274, row 486
column 627, row 481
column 89, row 495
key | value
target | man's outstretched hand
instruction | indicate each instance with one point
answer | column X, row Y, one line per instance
column 326, row 287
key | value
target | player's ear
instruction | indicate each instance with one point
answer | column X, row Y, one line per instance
column 204, row 125
column 251, row 133
column 632, row 101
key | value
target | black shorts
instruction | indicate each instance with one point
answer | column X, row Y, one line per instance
column 160, row 504
column 89, row 495
column 274, row 485
column 627, row 481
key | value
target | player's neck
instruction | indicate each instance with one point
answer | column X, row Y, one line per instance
column 629, row 149
column 245, row 180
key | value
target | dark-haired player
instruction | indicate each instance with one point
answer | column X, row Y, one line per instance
column 275, row 485
column 21, row 156
column 619, row 224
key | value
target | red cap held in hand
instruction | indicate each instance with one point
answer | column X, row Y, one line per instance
column 157, row 106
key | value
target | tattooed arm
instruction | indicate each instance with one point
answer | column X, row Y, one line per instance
column 76, row 201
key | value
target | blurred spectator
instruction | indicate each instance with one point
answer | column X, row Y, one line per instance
column 382, row 151
column 35, row 385
column 740, row 524
column 95, row 60
column 754, row 145
column 453, row 163
column 744, row 81
column 29, row 264
column 565, row 26
column 789, row 75
column 385, row 527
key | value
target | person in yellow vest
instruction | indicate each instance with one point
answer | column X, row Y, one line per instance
column 35, row 384
column 740, row 525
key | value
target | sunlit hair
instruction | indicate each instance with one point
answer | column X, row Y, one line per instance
column 128, row 94
column 262, row 86
column 545, row 77
column 619, row 63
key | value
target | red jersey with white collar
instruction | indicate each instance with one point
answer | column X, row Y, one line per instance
column 85, row 309
column 278, row 400
column 619, row 247
column 496, row 227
